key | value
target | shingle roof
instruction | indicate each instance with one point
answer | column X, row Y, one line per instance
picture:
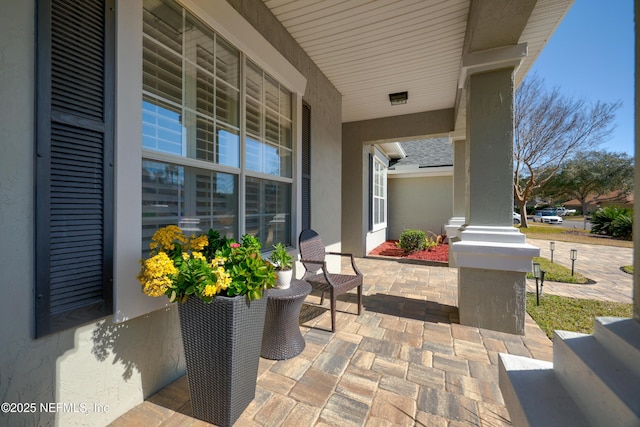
column 426, row 153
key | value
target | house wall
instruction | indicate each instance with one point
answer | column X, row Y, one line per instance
column 103, row 369
column 419, row 203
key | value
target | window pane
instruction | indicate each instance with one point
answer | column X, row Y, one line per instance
column 227, row 105
column 268, row 158
column 162, row 203
column 268, row 209
column 227, row 62
column 285, row 103
column 204, row 92
column 254, row 155
column 228, row 148
column 254, row 81
column 205, row 144
column 271, row 94
column 161, row 127
column 194, row 199
column 285, row 133
column 254, row 118
column 163, row 22
column 272, row 127
column 162, row 72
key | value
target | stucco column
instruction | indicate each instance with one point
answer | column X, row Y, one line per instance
column 456, row 222
column 493, row 256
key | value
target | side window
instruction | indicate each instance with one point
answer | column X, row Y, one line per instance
column 378, row 193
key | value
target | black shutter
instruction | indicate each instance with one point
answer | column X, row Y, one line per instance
column 74, row 163
column 306, row 167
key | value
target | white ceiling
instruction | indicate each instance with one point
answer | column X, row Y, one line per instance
column 371, row 48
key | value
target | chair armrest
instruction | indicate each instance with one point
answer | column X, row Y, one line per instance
column 353, row 263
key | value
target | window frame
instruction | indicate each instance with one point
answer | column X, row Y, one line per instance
column 228, row 23
column 378, row 183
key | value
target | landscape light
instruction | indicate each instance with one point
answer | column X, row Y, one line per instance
column 574, row 256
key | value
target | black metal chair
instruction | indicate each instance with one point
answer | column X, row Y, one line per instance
column 312, row 254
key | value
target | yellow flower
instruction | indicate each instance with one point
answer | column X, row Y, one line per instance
column 156, row 274
column 210, row 290
column 166, row 238
column 198, row 243
column 198, row 255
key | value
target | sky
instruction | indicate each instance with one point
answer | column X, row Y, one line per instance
column 591, row 57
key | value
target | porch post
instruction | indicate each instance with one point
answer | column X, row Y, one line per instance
column 459, row 179
column 493, row 256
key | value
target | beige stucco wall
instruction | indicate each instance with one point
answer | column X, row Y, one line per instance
column 114, row 366
column 420, row 203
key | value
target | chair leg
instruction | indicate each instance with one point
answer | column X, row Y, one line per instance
column 333, row 309
column 359, row 299
column 322, row 298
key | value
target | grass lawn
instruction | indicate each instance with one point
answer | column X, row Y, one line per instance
column 554, row 232
column 571, row 314
column 558, row 273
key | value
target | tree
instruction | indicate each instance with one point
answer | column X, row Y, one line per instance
column 550, row 129
column 591, row 174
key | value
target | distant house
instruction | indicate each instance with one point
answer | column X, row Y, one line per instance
column 420, row 187
column 614, row 198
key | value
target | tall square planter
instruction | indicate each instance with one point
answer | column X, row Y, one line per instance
column 222, row 343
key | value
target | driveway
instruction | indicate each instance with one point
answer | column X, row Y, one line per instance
column 599, row 263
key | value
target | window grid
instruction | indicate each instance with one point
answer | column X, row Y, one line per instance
column 192, row 122
column 379, row 193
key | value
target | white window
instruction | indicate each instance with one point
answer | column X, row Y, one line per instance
column 379, row 194
column 212, row 146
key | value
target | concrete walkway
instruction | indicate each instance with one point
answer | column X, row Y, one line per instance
column 599, row 263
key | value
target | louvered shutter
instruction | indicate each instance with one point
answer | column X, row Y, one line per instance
column 306, row 167
column 74, row 163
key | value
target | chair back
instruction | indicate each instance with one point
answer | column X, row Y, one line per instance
column 311, row 248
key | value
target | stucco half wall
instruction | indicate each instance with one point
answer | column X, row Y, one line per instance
column 423, row 203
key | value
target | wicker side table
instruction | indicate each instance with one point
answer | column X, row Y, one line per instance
column 281, row 338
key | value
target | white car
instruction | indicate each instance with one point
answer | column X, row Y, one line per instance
column 516, row 218
column 547, row 218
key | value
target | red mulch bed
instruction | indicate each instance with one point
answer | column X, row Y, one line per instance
column 439, row 254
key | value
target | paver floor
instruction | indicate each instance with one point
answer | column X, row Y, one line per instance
column 405, row 361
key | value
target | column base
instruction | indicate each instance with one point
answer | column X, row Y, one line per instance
column 493, row 263
column 492, row 299
column 453, row 229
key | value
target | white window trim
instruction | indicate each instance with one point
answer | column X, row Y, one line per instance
column 129, row 301
column 378, row 159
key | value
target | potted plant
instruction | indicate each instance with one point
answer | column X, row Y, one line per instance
column 284, row 265
column 219, row 284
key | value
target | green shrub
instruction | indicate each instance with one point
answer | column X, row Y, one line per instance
column 613, row 221
column 412, row 240
column 622, row 227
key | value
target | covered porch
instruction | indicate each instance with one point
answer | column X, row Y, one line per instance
column 405, row 361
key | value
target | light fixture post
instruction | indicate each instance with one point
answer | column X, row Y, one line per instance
column 552, row 247
column 574, row 256
column 537, row 274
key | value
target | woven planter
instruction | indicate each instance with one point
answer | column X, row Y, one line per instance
column 222, row 342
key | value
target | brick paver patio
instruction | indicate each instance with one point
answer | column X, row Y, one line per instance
column 405, row 361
